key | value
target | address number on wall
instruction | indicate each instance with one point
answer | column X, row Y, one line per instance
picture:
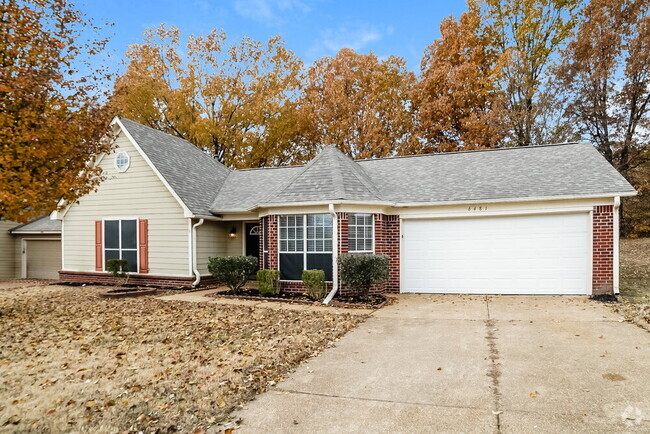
column 477, row 208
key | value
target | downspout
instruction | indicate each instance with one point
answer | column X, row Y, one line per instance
column 335, row 255
column 616, row 230
column 195, row 254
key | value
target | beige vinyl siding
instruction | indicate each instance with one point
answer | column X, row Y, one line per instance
column 212, row 240
column 136, row 193
column 235, row 246
column 7, row 258
column 18, row 249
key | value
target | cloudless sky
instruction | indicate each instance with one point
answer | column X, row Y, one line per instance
column 311, row 28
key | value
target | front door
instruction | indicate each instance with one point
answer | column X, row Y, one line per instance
column 252, row 239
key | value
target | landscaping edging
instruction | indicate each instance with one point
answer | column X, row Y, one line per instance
column 128, row 292
column 301, row 300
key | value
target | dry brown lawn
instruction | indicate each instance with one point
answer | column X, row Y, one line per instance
column 635, row 281
column 71, row 361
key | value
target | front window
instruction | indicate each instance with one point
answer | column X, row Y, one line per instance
column 360, row 238
column 121, row 242
column 305, row 244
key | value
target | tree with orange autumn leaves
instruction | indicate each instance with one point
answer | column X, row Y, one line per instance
column 605, row 75
column 504, row 73
column 360, row 104
column 51, row 120
column 458, row 99
column 235, row 101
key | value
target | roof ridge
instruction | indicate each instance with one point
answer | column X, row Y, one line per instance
column 250, row 169
column 293, row 178
column 362, row 175
column 337, row 176
column 468, row 151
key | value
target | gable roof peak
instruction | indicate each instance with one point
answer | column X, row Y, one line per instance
column 331, row 175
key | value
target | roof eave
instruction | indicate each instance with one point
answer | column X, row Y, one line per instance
column 19, row 232
column 517, row 199
column 320, row 202
column 418, row 204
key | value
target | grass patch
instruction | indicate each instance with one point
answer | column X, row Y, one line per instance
column 73, row 361
column 635, row 281
column 635, row 270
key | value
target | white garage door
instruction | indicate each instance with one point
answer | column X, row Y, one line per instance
column 43, row 259
column 540, row 254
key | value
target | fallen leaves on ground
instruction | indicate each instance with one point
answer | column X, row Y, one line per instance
column 635, row 282
column 72, row 361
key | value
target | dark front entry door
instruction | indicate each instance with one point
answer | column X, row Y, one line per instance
column 252, row 239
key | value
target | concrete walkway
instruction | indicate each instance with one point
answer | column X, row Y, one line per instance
column 470, row 364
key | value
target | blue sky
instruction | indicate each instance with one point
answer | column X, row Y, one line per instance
column 311, row 28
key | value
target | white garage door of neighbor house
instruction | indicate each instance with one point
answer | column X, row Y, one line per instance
column 43, row 259
column 535, row 254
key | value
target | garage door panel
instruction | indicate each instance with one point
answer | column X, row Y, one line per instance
column 43, row 259
column 509, row 255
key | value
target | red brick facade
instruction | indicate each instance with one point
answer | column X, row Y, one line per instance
column 386, row 243
column 603, row 250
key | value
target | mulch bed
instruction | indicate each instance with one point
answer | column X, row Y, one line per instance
column 373, row 301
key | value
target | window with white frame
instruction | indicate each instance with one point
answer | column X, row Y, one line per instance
column 305, row 244
column 121, row 242
column 122, row 161
column 360, row 233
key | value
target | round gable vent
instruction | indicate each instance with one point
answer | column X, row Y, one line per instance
column 122, row 161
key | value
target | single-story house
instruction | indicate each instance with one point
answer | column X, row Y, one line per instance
column 31, row 250
column 522, row 220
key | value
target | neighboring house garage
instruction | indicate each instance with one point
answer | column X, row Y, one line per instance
column 37, row 248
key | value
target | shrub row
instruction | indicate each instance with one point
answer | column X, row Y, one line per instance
column 358, row 271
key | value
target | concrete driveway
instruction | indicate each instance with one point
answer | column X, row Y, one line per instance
column 470, row 364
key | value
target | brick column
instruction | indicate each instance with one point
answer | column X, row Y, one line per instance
column 387, row 243
column 271, row 232
column 603, row 250
column 343, row 232
column 392, row 237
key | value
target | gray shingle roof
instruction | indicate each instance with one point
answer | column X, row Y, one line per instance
column 329, row 176
column 191, row 173
column 41, row 225
column 574, row 169
column 244, row 189
column 208, row 187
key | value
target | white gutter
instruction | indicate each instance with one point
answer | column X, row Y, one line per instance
column 335, row 255
column 195, row 254
column 617, row 205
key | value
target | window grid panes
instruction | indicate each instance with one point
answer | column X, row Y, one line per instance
column 319, row 233
column 305, row 241
column 121, row 241
column 291, row 233
column 360, row 233
column 122, row 161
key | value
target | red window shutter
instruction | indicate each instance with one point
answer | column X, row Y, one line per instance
column 144, row 246
column 99, row 229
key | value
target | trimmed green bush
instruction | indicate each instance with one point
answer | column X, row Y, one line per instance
column 314, row 281
column 268, row 281
column 360, row 271
column 233, row 271
column 119, row 268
